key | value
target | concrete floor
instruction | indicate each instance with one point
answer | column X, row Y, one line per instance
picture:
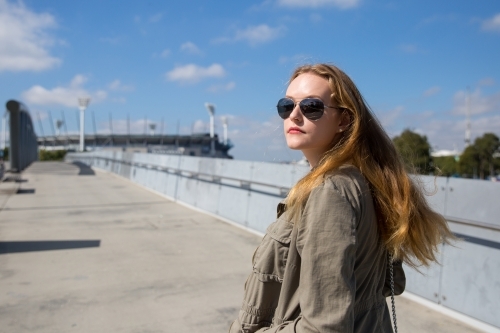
column 127, row 260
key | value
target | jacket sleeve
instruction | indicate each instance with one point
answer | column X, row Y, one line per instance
column 327, row 245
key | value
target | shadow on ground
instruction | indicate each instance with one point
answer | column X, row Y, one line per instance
column 33, row 246
column 85, row 170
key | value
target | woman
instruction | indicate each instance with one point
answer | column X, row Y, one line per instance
column 324, row 265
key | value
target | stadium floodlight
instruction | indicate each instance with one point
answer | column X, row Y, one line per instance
column 224, row 125
column 152, row 127
column 83, row 103
column 211, row 112
column 59, row 124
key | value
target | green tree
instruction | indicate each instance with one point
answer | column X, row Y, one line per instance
column 479, row 158
column 415, row 151
column 447, row 165
column 487, row 145
column 469, row 162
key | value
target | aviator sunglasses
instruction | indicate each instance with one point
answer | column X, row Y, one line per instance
column 311, row 108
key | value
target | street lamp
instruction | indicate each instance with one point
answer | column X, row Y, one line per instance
column 211, row 112
column 224, row 125
column 82, row 105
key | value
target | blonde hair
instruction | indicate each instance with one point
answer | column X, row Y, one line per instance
column 410, row 229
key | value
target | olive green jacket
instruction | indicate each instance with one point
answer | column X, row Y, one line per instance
column 326, row 273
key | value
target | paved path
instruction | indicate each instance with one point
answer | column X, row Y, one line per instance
column 95, row 253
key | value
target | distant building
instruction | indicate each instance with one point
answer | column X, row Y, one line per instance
column 192, row 145
column 444, row 152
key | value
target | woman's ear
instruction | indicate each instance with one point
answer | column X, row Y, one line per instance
column 345, row 120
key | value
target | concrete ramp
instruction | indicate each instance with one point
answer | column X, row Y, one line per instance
column 83, row 252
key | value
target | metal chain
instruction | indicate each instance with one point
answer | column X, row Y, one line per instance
column 392, row 294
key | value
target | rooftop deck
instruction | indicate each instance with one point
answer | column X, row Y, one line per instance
column 85, row 251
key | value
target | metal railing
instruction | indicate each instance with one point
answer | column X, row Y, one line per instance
column 247, row 184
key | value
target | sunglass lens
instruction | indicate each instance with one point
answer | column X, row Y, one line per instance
column 285, row 107
column 312, row 108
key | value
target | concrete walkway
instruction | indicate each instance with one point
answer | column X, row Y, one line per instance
column 95, row 253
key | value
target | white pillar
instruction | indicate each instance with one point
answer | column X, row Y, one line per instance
column 83, row 103
column 224, row 125
column 82, row 129
column 211, row 112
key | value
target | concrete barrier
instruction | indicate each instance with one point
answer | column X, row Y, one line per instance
column 244, row 192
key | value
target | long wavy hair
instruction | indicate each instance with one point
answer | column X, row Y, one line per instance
column 410, row 229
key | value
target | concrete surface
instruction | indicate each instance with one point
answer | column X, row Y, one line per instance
column 128, row 260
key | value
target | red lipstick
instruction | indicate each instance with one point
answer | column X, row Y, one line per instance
column 295, row 130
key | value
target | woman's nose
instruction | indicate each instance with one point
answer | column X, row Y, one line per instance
column 296, row 114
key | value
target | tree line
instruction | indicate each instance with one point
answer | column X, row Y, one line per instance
column 481, row 159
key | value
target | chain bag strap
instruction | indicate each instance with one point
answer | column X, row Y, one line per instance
column 392, row 294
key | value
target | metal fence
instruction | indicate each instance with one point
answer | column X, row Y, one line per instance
column 467, row 279
column 23, row 142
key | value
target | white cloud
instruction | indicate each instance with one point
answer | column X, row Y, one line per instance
column 479, row 103
column 66, row 96
column 191, row 48
column 342, row 4
column 192, row 73
column 117, row 85
column 450, row 133
column 432, row 91
column 199, row 126
column 492, row 24
column 255, row 35
column 24, row 38
column 259, row 34
column 222, row 87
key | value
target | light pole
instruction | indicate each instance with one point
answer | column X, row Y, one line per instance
column 211, row 112
column 59, row 124
column 82, row 105
column 152, row 127
column 224, row 125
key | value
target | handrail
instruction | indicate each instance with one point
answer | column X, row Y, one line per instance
column 282, row 189
column 472, row 223
column 177, row 170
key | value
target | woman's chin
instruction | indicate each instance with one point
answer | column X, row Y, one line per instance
column 294, row 146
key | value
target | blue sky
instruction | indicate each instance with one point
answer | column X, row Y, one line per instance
column 412, row 60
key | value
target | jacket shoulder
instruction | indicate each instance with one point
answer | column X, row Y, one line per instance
column 350, row 183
